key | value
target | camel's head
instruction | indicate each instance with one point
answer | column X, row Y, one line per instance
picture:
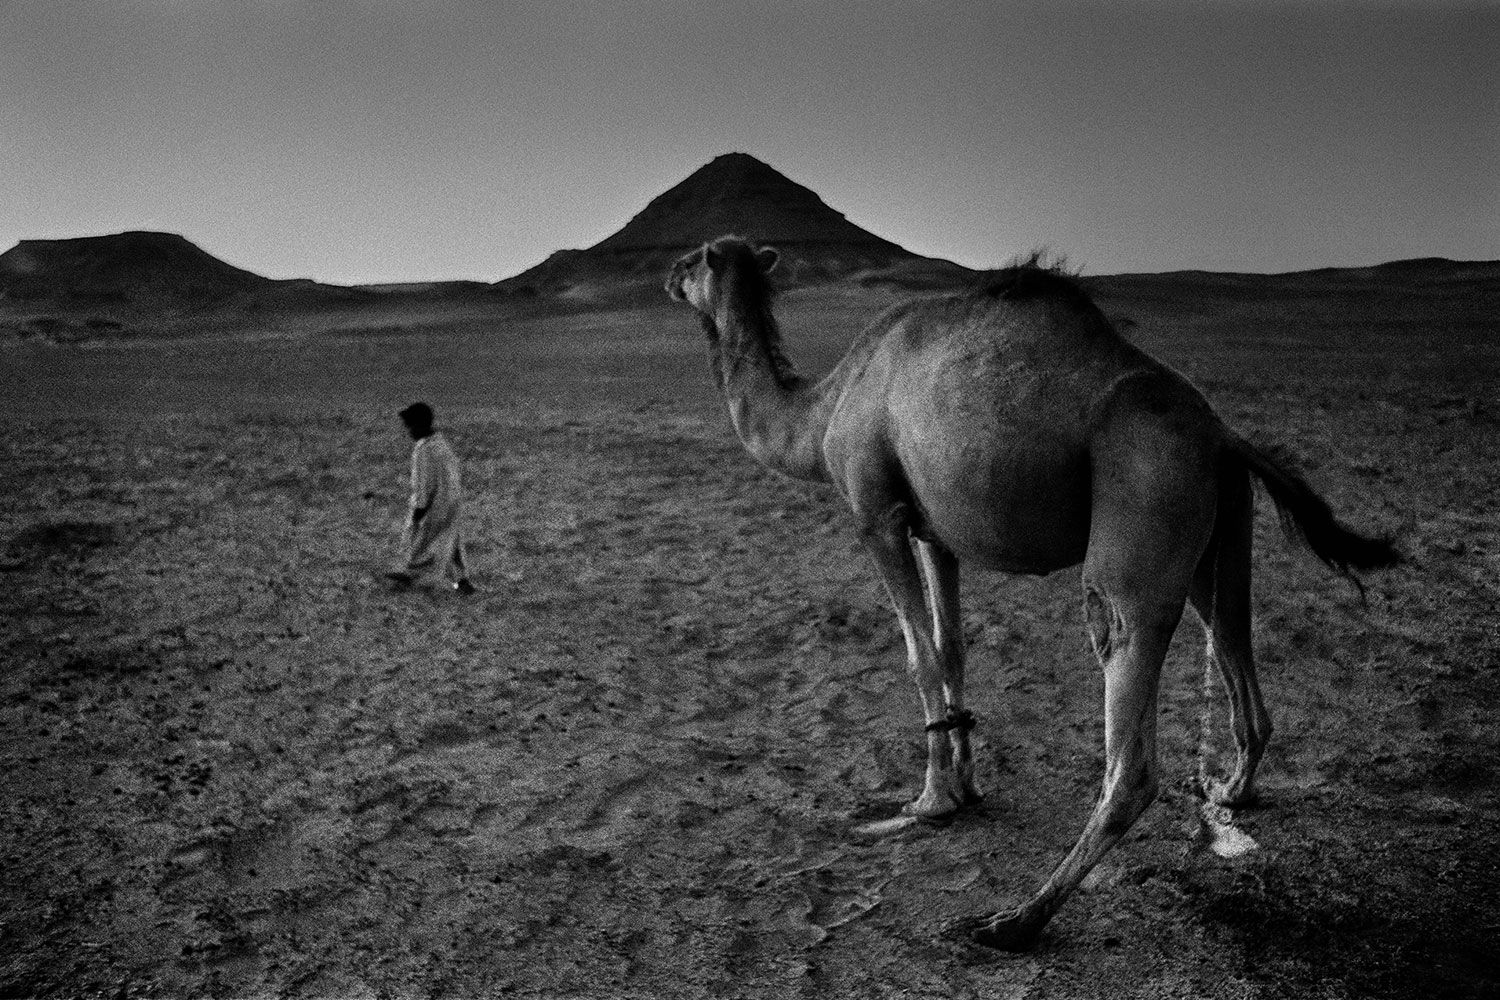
column 701, row 278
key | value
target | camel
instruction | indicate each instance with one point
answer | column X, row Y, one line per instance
column 1013, row 428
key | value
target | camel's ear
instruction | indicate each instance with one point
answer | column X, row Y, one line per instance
column 767, row 258
column 714, row 259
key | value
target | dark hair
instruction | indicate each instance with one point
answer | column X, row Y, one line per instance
column 1034, row 277
column 418, row 415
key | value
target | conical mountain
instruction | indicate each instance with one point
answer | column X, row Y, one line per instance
column 736, row 193
column 733, row 193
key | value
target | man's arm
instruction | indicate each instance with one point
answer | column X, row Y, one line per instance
column 422, row 485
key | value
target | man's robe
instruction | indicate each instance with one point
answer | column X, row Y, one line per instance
column 434, row 542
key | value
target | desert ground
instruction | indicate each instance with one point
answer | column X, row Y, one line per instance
column 235, row 763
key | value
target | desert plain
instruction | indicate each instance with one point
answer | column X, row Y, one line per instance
column 236, row 763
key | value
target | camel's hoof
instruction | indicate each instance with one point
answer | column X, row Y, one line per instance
column 1003, row 932
column 1223, row 793
column 939, row 811
column 942, row 797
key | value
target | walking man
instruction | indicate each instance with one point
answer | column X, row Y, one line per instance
column 432, row 539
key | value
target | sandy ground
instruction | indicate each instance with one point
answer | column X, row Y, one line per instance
column 236, row 764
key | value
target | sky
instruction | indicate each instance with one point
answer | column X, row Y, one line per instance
column 358, row 141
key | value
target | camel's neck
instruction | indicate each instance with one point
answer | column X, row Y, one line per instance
column 779, row 416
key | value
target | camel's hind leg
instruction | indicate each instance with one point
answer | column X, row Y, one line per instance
column 1130, row 640
column 1220, row 594
column 1153, row 513
column 940, row 571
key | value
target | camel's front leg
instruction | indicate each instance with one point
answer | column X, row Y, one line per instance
column 940, row 571
column 886, row 536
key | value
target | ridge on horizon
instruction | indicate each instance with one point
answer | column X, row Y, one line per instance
column 735, row 192
column 120, row 284
column 118, row 263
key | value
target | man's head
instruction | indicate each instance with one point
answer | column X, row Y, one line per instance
column 418, row 420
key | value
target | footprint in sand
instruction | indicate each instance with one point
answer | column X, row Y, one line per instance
column 833, row 902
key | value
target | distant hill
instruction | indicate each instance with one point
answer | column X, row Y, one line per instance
column 133, row 283
column 733, row 193
column 1478, row 280
column 153, row 273
column 131, row 270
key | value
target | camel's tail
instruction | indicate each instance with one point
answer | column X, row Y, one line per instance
column 1306, row 516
